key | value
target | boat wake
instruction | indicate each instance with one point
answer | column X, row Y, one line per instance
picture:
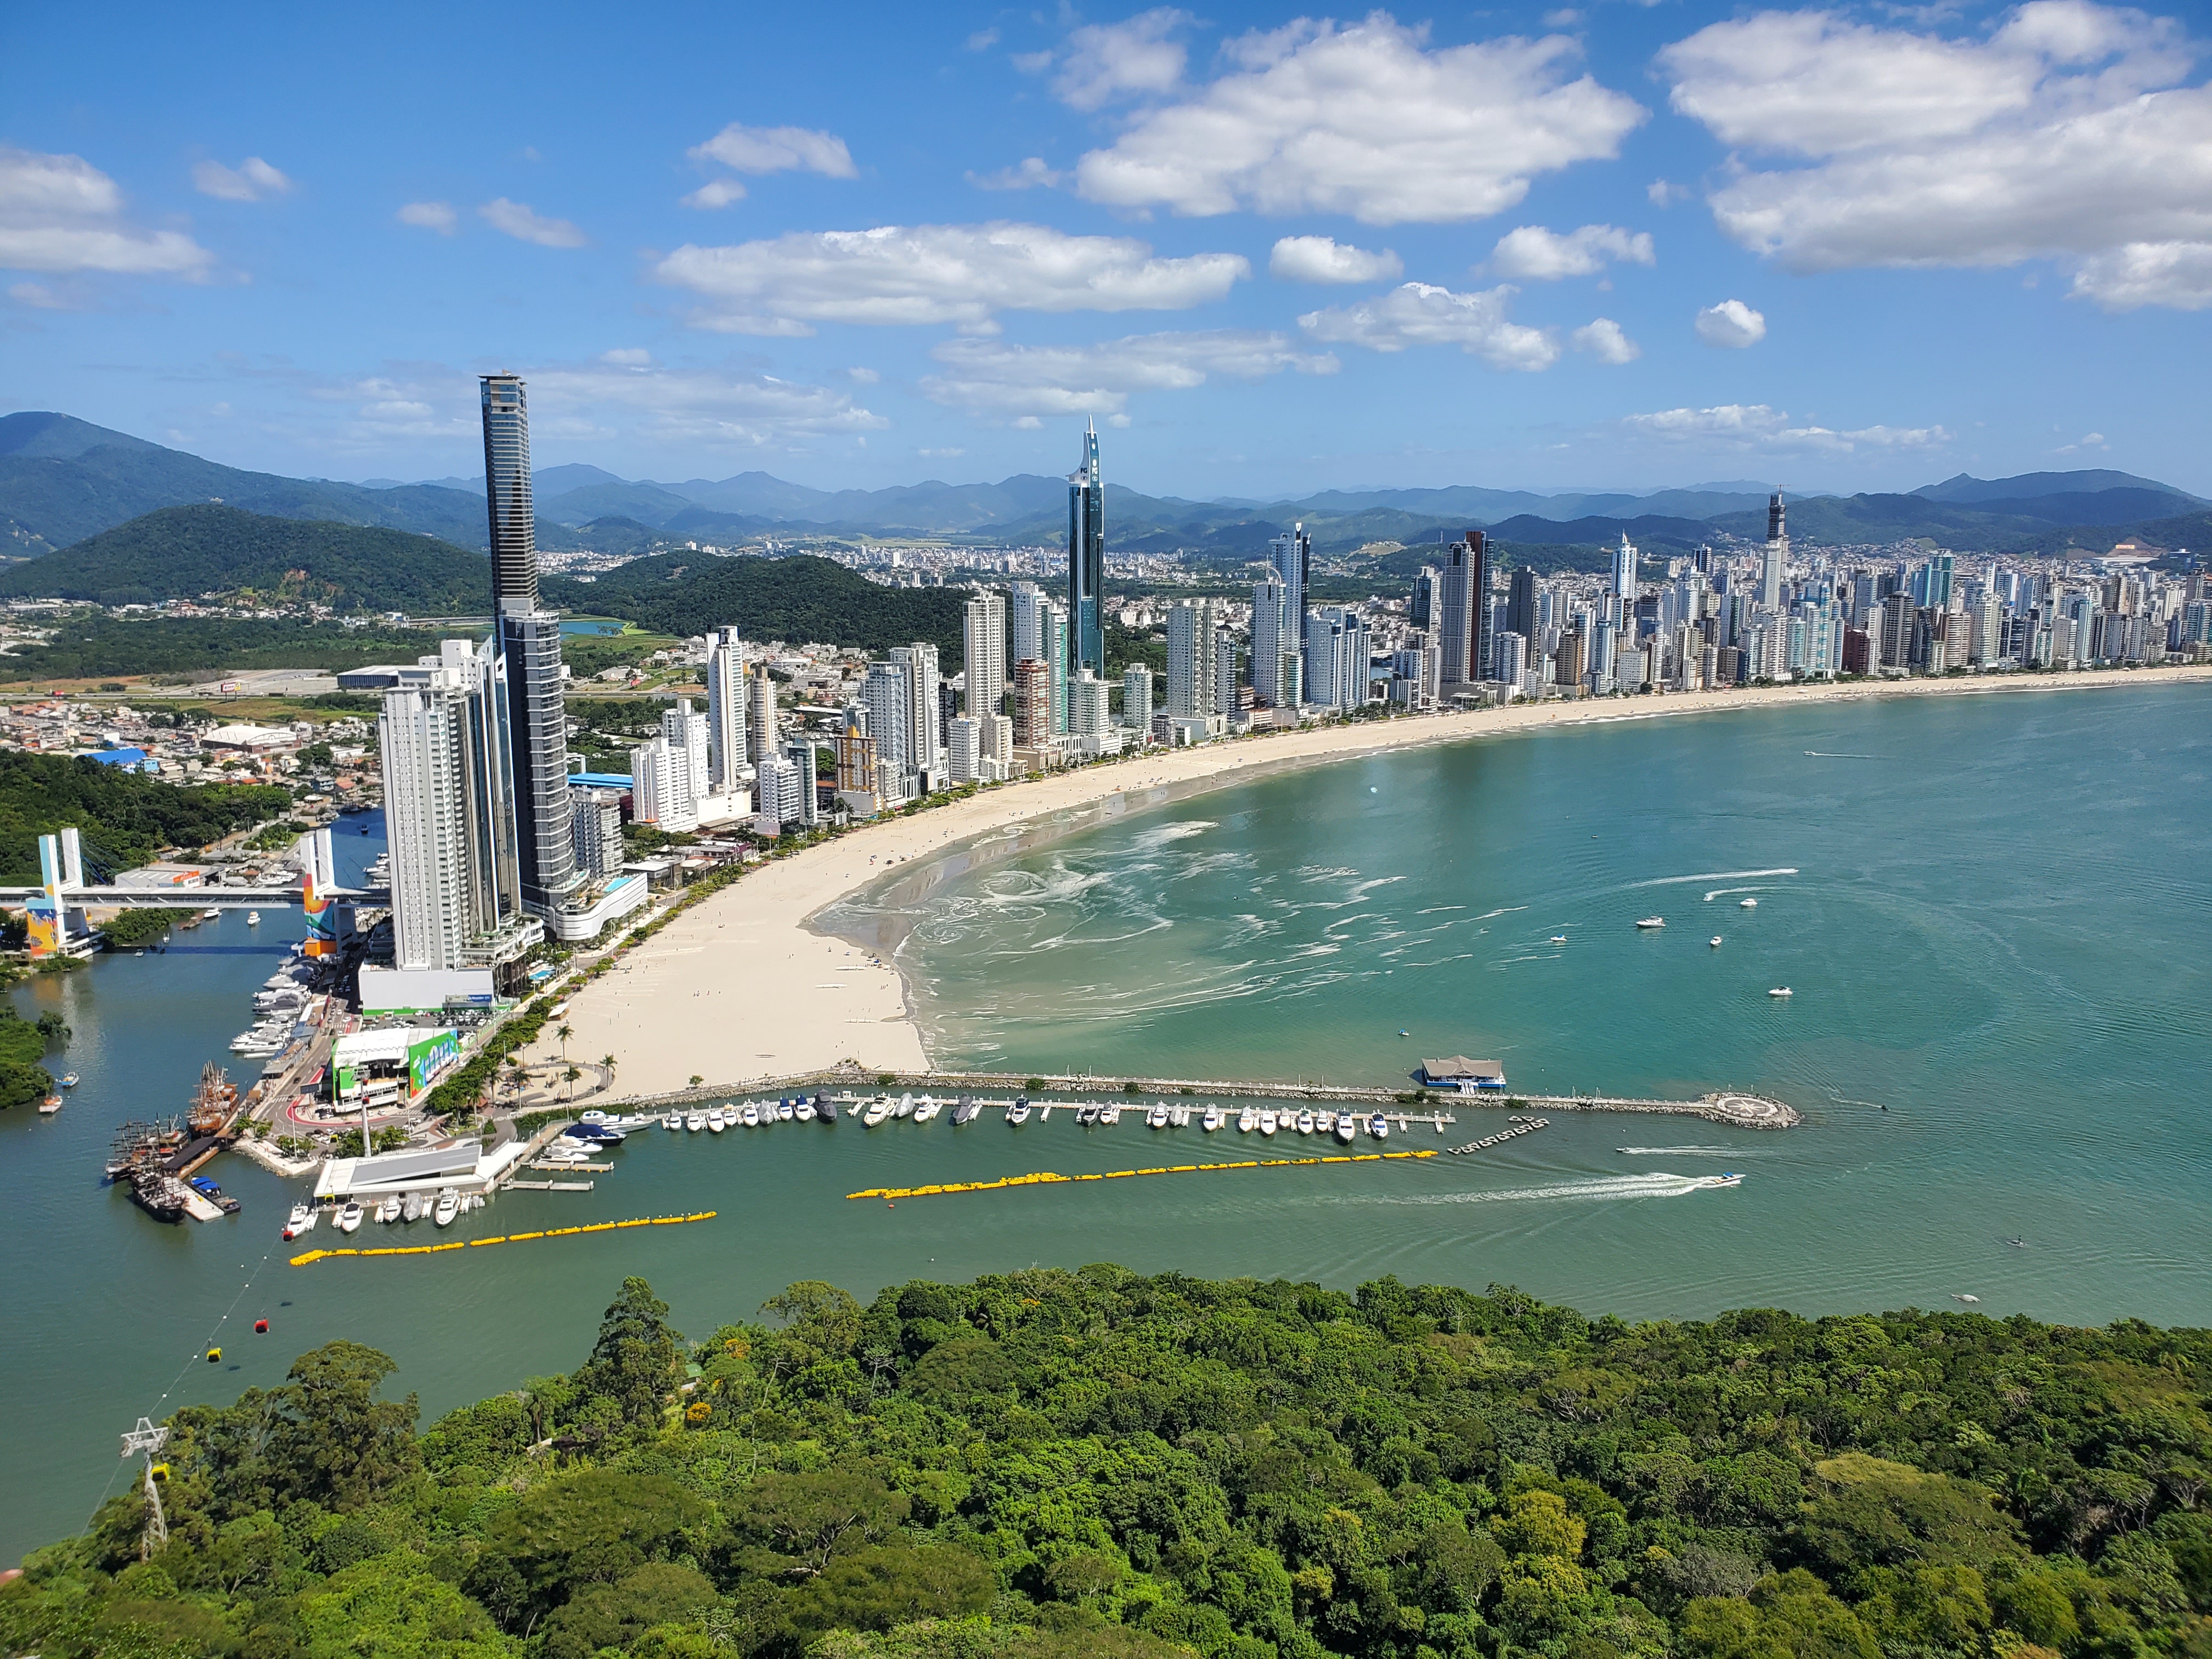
column 1688, row 1151
column 1152, row 840
column 1711, row 875
column 1598, row 1189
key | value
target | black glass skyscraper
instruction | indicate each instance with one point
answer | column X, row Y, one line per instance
column 1087, row 561
column 529, row 638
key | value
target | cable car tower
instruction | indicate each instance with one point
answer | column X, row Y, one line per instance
column 148, row 1440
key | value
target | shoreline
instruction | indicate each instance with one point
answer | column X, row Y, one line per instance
column 781, row 997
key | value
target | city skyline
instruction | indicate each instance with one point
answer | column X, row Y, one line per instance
column 1657, row 247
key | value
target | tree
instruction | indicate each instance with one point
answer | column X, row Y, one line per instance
column 568, row 1075
column 807, row 1519
column 634, row 1362
column 331, row 1440
column 560, row 1035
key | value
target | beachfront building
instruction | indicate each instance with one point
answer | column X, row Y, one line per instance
column 1463, row 624
column 760, row 725
column 1336, row 655
column 1086, row 559
column 1194, row 682
column 1776, row 555
column 727, row 756
column 1032, row 704
column 1136, row 698
column 924, row 753
column 1290, row 559
column 983, row 641
column 596, row 815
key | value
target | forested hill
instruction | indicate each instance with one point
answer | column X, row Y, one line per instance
column 182, row 552
column 799, row 598
column 1054, row 1463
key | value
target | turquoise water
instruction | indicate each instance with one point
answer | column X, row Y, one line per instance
column 1996, row 926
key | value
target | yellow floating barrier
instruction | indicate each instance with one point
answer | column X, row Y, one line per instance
column 1043, row 1176
column 508, row 1239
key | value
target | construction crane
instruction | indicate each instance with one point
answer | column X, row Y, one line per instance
column 147, row 1440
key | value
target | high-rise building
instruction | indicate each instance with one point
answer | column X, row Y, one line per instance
column 1421, row 606
column 963, row 749
column 1088, row 707
column 1025, row 624
column 1508, row 658
column 1567, row 667
column 1523, row 614
column 1336, row 655
column 1137, row 697
column 983, row 649
column 456, row 888
column 1053, row 624
column 1462, row 625
column 1775, row 556
column 726, row 711
column 1228, row 682
column 1624, row 583
column 885, row 694
column 781, row 787
column 1032, row 703
column 686, row 732
column 1274, row 650
column 1290, row 555
column 597, row 815
column 1192, row 679
column 760, row 714
column 800, row 751
column 530, row 641
column 661, row 792
column 1086, row 558
column 918, row 662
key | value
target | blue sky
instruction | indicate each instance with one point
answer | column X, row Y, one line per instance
column 1617, row 244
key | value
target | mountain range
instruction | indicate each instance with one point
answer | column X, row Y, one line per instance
column 62, row 479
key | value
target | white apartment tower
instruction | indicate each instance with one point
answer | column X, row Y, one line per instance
column 760, row 715
column 726, row 711
column 983, row 641
column 1191, row 676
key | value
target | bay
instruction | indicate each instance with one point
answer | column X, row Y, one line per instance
column 1994, row 925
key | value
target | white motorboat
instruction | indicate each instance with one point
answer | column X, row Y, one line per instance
column 805, row 1111
column 750, row 1115
column 1019, row 1111
column 716, row 1122
column 673, row 1120
column 785, row 1111
column 879, row 1109
column 388, row 1212
column 1157, row 1117
column 1247, row 1121
column 1346, row 1126
column 1379, row 1126
column 924, row 1109
column 905, row 1107
column 253, row 918
column 1747, row 904
column 1715, row 941
column 1305, row 1122
column 1268, row 1122
column 301, row 1220
column 592, row 1117
column 1781, row 991
column 1110, row 1114
column 694, row 1121
column 1212, row 1121
column 1652, row 921
column 449, row 1205
column 349, row 1218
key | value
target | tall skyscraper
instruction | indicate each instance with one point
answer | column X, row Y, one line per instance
column 1025, row 624
column 1276, row 680
column 1522, row 615
column 1032, row 703
column 726, row 710
column 884, row 694
column 529, row 639
column 1055, row 624
column 455, row 892
column 1462, row 614
column 1193, row 678
column 760, row 714
column 1776, row 554
column 1624, row 570
column 1137, row 697
column 983, row 641
column 924, row 752
column 1086, row 558
column 1292, row 556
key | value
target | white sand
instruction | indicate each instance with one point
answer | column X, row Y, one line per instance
column 741, row 989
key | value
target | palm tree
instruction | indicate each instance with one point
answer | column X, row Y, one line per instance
column 560, row 1035
column 608, row 1061
column 569, row 1077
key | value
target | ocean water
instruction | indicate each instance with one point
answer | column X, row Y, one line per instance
column 1994, row 913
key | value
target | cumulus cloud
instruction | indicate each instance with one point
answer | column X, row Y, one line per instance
column 935, row 274
column 2175, row 275
column 715, row 193
column 517, row 220
column 1604, row 340
column 1747, row 426
column 1419, row 313
column 670, row 404
column 1546, row 256
column 2064, row 132
column 992, row 378
column 1102, row 62
column 1324, row 259
column 1731, row 323
column 1364, row 119
column 777, row 150
column 1031, row 174
column 59, row 214
column 429, row 215
column 252, row 181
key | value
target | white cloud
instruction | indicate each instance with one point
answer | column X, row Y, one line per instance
column 1105, row 61
column 1604, row 340
column 1747, row 427
column 252, row 181
column 39, row 296
column 627, row 357
column 777, row 150
column 1417, row 314
column 983, row 39
column 715, row 193
column 941, row 455
column 1534, row 252
column 428, row 216
column 1323, row 259
column 992, row 378
column 2176, row 275
column 517, row 220
column 2089, row 441
column 60, row 213
column 1031, row 174
column 2062, row 133
column 936, row 274
column 675, row 404
column 1732, row 324
column 1364, row 119
column 863, row 376
column 1661, row 194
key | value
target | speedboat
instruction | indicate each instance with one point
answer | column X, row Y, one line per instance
column 673, row 1120
column 1306, row 1122
column 716, row 1122
column 449, row 1205
column 1247, row 1121
column 388, row 1212
column 253, row 918
column 926, row 1109
column 1379, row 1126
column 1268, row 1122
column 804, row 1110
column 1018, row 1112
column 694, row 1121
column 1110, row 1114
column 1085, row 1116
column 1747, row 904
column 1346, row 1126
column 1726, row 1178
column 878, row 1110
column 349, row 1218
column 1715, row 941
column 68, row 1079
column 1557, row 939
column 749, row 1115
column 416, row 1205
column 594, row 1116
column 1781, row 991
column 301, row 1220
column 1212, row 1121
column 785, row 1111
column 1157, row 1117
column 1652, row 921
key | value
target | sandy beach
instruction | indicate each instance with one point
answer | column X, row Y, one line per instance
column 742, row 987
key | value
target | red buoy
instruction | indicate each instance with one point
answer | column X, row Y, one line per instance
column 261, row 1328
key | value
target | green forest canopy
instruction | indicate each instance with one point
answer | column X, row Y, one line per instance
column 1095, row 1463
column 88, row 646
column 124, row 815
column 182, row 552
